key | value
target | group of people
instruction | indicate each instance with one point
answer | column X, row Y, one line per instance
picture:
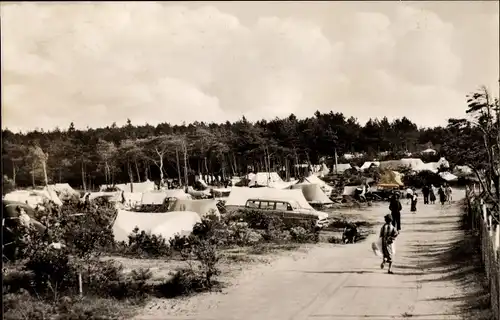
column 444, row 193
column 392, row 226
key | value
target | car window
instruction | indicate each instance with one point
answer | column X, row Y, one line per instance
column 267, row 205
column 281, row 206
column 252, row 204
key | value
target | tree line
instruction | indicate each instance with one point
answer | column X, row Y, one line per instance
column 133, row 153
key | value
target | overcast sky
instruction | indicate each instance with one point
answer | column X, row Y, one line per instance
column 95, row 64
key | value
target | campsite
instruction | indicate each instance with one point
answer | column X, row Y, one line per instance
column 246, row 160
column 158, row 243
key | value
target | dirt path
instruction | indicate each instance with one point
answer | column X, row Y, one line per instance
column 345, row 282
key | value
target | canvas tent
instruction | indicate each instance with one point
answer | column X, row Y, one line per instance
column 351, row 190
column 165, row 224
column 448, row 176
column 341, row 167
column 51, row 194
column 463, row 171
column 203, row 207
column 198, row 194
column 429, row 151
column 369, row 164
column 159, row 197
column 240, row 195
column 64, row 190
column 312, row 193
column 221, row 192
column 145, row 186
column 32, row 197
column 391, row 178
column 115, row 196
column 322, row 184
column 321, row 170
column 268, row 179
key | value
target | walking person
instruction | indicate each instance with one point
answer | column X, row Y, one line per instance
column 414, row 199
column 448, row 192
column 409, row 194
column 442, row 195
column 425, row 192
column 388, row 235
column 395, row 207
column 432, row 194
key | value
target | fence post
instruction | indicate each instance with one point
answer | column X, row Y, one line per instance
column 497, row 240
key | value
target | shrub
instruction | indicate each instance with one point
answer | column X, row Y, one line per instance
column 24, row 306
column 184, row 282
column 146, row 244
column 301, row 235
column 85, row 228
column 7, row 185
column 53, row 271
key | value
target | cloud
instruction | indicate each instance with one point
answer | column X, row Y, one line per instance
column 95, row 64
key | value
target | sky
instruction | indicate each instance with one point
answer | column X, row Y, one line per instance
column 98, row 63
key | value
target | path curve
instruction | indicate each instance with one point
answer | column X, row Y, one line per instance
column 346, row 282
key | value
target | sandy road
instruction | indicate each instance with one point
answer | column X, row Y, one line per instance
column 346, row 282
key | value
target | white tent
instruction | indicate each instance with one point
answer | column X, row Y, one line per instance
column 50, row 193
column 64, row 189
column 166, row 224
column 195, row 193
column 351, row 190
column 321, row 170
column 368, row 164
column 25, row 196
column 312, row 193
column 448, row 176
column 429, row 151
column 322, row 184
column 239, row 196
column 268, row 179
column 153, row 198
column 341, row 167
column 202, row 207
column 463, row 170
column 115, row 196
column 145, row 186
column 159, row 197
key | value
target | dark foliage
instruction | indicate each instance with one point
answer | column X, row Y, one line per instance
column 109, row 154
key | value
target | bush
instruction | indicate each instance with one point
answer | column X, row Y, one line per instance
column 24, row 306
column 53, row 272
column 7, row 185
column 85, row 228
column 184, row 282
column 146, row 244
column 302, row 235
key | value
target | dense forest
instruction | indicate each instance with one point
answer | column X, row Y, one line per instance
column 133, row 153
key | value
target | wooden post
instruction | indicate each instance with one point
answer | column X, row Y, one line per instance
column 80, row 286
column 497, row 240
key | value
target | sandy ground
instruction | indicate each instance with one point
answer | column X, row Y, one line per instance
column 342, row 282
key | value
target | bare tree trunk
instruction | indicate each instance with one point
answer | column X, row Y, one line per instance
column 206, row 167
column 223, row 167
column 45, row 176
column 130, row 175
column 178, row 165
column 60, row 175
column 14, row 174
column 33, row 174
column 84, row 183
column 137, row 171
column 185, row 164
